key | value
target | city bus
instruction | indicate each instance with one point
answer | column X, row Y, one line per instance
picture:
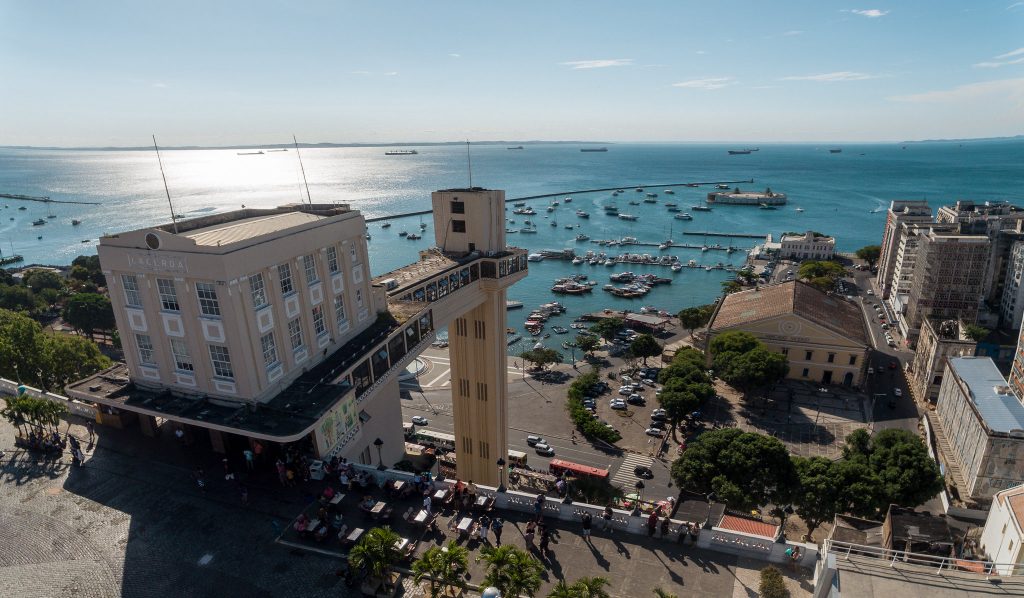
column 439, row 439
column 558, row 467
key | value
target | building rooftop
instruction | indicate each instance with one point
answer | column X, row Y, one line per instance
column 749, row 526
column 794, row 297
column 855, row 530
column 998, row 406
column 431, row 263
column 247, row 228
column 1015, row 497
column 917, row 527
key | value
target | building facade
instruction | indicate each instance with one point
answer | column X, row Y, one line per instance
column 808, row 246
column 938, row 339
column 900, row 212
column 949, row 278
column 1011, row 307
column 1003, row 535
column 823, row 337
column 984, row 423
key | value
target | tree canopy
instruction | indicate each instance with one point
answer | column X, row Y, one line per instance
column 541, row 357
column 608, row 328
column 588, row 344
column 869, row 253
column 38, row 280
column 49, row 361
column 975, row 332
column 692, row 318
column 819, row 269
column 744, row 469
column 512, row 570
column 645, row 346
column 904, row 472
column 88, row 312
column 744, row 362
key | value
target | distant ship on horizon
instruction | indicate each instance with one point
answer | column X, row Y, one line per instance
column 401, row 153
column 593, row 149
column 837, row 150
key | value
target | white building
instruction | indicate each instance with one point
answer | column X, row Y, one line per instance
column 1003, row 535
column 1012, row 303
column 808, row 246
column 984, row 423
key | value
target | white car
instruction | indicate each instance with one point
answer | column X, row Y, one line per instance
column 619, row 405
column 870, row 292
column 659, row 410
column 544, row 448
column 653, row 432
column 419, row 420
column 871, row 371
column 648, row 382
column 626, row 379
column 626, row 390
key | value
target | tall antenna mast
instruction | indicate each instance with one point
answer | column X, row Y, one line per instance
column 304, row 181
column 469, row 164
column 174, row 221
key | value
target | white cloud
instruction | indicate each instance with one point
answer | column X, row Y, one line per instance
column 1014, row 5
column 793, row 32
column 701, row 52
column 709, row 83
column 598, row 64
column 831, row 77
column 1001, row 60
column 871, row 13
column 454, row 55
column 1003, row 88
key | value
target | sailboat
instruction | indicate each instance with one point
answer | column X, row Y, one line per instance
column 423, row 225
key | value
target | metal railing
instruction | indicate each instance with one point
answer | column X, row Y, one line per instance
column 941, row 564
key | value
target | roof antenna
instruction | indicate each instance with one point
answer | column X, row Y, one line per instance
column 295, row 141
column 469, row 163
column 174, row 221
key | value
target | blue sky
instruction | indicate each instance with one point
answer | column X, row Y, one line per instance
column 111, row 73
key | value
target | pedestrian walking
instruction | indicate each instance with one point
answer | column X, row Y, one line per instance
column 538, row 506
column 90, row 427
column 496, row 528
column 485, row 526
column 249, row 459
column 652, row 523
column 530, row 527
column 607, row 518
column 426, row 503
column 545, row 539
column 587, row 519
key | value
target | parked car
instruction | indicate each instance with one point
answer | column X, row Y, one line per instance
column 871, row 371
column 658, row 417
column 544, row 449
column 653, row 432
column 870, row 292
column 636, row 400
column 648, row 382
column 898, row 392
column 642, row 471
column 658, row 425
column 626, row 390
column 419, row 420
column 619, row 406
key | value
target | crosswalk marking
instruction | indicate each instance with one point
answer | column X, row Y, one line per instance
column 625, row 477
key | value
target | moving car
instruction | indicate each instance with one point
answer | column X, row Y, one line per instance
column 642, row 471
column 535, row 440
column 419, row 420
column 543, row 448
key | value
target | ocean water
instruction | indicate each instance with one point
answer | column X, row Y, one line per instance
column 838, row 192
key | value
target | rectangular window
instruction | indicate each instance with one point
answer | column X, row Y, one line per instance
column 309, row 266
column 806, row 372
column 458, row 207
column 145, row 349
column 458, row 226
column 182, row 360
column 295, row 333
column 359, row 298
column 318, row 321
column 853, row 360
column 259, row 290
column 332, row 259
column 352, row 253
column 339, row 311
column 831, row 357
column 284, row 272
column 808, row 355
column 269, row 347
column 221, row 361
column 168, row 294
column 785, row 350
column 131, row 290
column 208, row 303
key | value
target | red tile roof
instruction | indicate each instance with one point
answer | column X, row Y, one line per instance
column 749, row 526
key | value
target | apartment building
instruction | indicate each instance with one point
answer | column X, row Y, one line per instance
column 937, row 340
column 900, row 212
column 949, row 277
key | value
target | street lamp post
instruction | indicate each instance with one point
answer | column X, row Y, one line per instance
column 501, row 475
column 379, row 443
column 711, row 498
column 639, row 496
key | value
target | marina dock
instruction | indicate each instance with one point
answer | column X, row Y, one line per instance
column 18, row 196
column 710, row 234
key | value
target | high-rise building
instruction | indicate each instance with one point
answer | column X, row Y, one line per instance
column 948, row 279
column 900, row 211
column 909, row 236
column 938, row 339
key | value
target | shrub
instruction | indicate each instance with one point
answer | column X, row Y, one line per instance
column 586, row 423
column 772, row 584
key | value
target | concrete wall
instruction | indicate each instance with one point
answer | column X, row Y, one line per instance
column 10, row 388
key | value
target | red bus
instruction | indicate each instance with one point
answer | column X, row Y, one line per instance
column 558, row 467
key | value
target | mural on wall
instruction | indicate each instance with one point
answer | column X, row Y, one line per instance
column 337, row 424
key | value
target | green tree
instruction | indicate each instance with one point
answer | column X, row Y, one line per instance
column 21, row 345
column 38, row 280
column 731, row 286
column 816, row 269
column 584, row 587
column 645, row 346
column 18, row 298
column 678, row 404
column 541, row 358
column 759, row 368
column 511, row 570
column 817, row 497
column 443, row 568
column 65, row 359
column 906, row 475
column 608, row 328
column 88, row 312
column 870, row 254
column 824, row 284
column 588, row 344
column 772, row 584
column 90, row 264
column 735, row 341
column 745, row 469
column 692, row 318
column 975, row 332
column 376, row 553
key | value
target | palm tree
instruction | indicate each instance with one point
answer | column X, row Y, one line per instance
column 660, row 593
column 585, row 587
column 443, row 568
column 376, row 553
column 511, row 570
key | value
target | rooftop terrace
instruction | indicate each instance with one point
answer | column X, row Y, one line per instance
column 999, row 407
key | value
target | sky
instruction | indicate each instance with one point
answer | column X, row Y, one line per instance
column 226, row 72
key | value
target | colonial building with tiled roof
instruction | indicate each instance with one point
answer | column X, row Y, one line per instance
column 823, row 336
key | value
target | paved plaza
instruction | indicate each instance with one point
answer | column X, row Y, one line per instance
column 132, row 522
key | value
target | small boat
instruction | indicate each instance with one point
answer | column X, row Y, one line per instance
column 692, row 185
column 528, row 231
column 669, row 192
column 673, row 209
column 581, row 237
column 250, row 153
column 634, row 203
column 551, row 208
column 577, row 260
column 510, row 304
column 519, row 204
column 594, row 149
column 86, row 240
column 518, row 147
column 700, row 208
column 670, row 205
column 567, row 200
column 799, row 209
column 386, row 225
column 620, row 190
column 22, row 208
column 650, row 200
column 39, row 222
column 652, row 195
column 535, row 257
column 554, row 223
column 401, row 153
column 403, row 233
column 559, row 330
column 765, row 206
column 569, row 227
column 582, row 214
column 837, row 150
column 676, row 267
column 413, row 237
column 627, row 217
column 742, row 152
column 75, row 222
column 639, row 189
column 683, row 216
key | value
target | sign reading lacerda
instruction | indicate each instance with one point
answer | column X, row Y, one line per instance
column 157, row 262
